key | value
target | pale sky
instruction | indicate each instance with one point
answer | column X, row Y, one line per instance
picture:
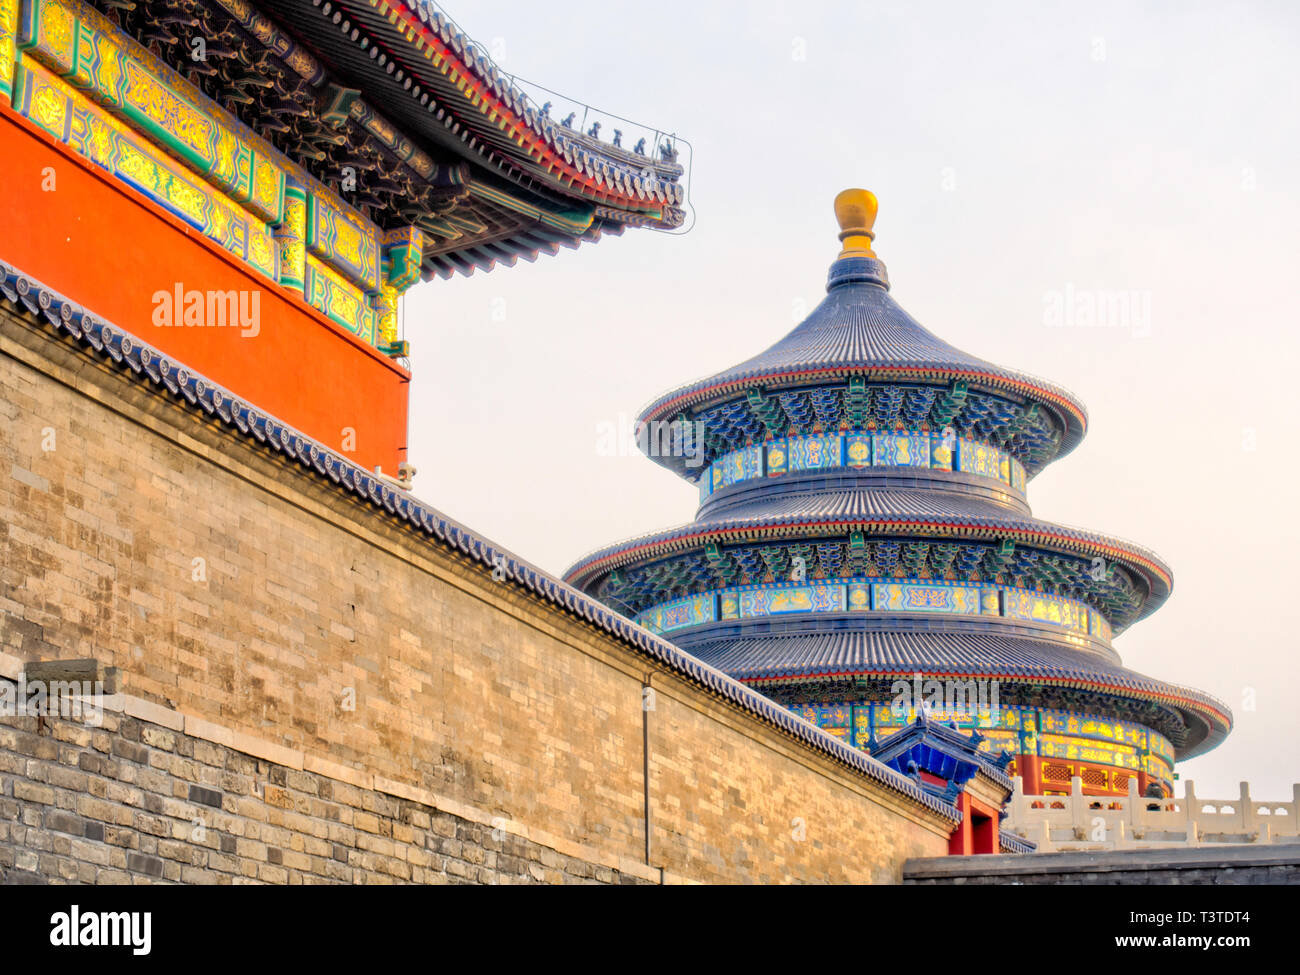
column 1022, row 153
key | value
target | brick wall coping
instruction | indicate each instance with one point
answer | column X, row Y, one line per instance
column 38, row 304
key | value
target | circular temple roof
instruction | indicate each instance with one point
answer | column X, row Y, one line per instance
column 776, row 658
column 860, row 330
column 898, row 512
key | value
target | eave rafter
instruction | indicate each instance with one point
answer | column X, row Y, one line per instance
column 1118, row 593
column 1028, row 432
column 701, row 397
column 1129, row 586
column 478, row 202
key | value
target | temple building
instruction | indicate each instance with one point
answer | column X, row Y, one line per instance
column 864, row 549
column 255, row 185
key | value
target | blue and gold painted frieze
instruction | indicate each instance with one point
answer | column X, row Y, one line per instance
column 900, row 596
column 691, row 611
column 943, row 447
column 833, row 718
column 747, row 602
column 900, row 450
column 780, row 600
column 1157, row 769
column 997, row 742
column 1074, row 724
column 104, row 95
column 1161, row 748
column 9, row 22
column 1017, row 475
column 739, row 465
column 69, row 116
column 1025, row 604
column 981, row 459
column 1099, row 626
column 858, row 451
column 912, row 597
column 777, row 458
column 814, row 453
column 1073, row 749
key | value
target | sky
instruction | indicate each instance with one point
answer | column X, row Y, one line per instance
column 1029, row 159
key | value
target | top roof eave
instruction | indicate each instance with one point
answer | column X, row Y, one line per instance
column 859, row 330
column 448, row 65
column 704, row 391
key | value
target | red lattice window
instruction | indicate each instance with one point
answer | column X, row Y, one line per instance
column 1094, row 778
column 1058, row 773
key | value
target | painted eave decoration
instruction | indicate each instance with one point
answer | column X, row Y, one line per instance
column 391, row 106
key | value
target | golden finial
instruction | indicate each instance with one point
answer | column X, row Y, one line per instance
column 856, row 212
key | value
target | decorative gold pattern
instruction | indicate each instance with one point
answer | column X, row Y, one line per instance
column 338, row 299
column 69, row 116
column 290, row 236
column 8, row 46
column 80, row 44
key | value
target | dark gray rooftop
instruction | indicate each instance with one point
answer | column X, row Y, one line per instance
column 860, row 329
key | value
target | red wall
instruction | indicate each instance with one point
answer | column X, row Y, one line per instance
column 978, row 830
column 110, row 249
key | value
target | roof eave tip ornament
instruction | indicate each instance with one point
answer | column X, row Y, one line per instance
column 855, row 210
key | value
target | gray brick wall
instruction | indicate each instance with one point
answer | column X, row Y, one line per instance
column 132, row 802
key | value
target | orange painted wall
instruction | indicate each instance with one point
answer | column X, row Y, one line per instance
column 110, row 249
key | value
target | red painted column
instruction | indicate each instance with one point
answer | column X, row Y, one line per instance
column 961, row 842
column 1030, row 769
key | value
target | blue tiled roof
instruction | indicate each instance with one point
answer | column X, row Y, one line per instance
column 939, row 750
column 149, row 366
column 852, row 503
column 774, row 656
column 859, row 327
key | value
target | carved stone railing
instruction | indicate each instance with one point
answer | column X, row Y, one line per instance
column 1081, row 822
